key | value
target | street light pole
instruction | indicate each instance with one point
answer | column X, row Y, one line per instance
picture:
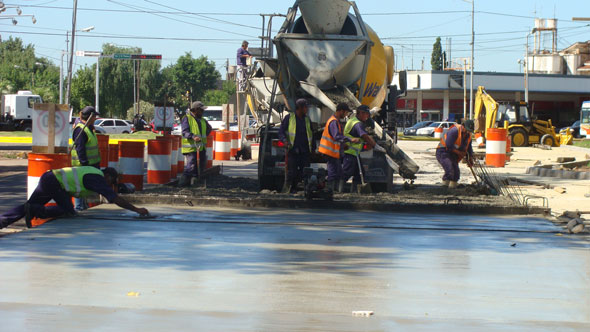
column 97, row 91
column 71, row 61
column 471, row 62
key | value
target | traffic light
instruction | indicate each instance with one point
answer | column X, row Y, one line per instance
column 146, row 56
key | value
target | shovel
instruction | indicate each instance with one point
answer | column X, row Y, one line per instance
column 286, row 181
column 364, row 188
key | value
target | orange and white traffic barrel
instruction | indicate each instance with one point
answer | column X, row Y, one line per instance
column 222, row 145
column 131, row 163
column 479, row 140
column 174, row 157
column 159, row 160
column 508, row 147
column 180, row 161
column 103, row 148
column 438, row 132
column 114, row 156
column 496, row 147
column 39, row 163
column 209, row 146
column 234, row 143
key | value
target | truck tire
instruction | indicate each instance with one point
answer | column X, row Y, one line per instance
column 547, row 139
column 519, row 137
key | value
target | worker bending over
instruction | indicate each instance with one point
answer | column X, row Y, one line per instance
column 295, row 132
column 195, row 130
column 60, row 185
column 453, row 147
column 355, row 130
column 332, row 144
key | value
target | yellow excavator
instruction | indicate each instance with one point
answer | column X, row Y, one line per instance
column 515, row 117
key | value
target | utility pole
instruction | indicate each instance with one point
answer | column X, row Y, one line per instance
column 71, row 61
column 471, row 62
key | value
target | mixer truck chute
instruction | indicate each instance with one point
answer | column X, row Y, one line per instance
column 327, row 55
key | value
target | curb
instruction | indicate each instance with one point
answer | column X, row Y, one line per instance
column 249, row 202
column 29, row 140
column 558, row 173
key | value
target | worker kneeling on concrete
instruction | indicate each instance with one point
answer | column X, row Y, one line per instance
column 355, row 131
column 332, row 143
column 453, row 147
column 60, row 185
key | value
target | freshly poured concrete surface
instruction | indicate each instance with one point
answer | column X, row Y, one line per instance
column 263, row 270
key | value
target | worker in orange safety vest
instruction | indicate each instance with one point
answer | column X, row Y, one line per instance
column 453, row 147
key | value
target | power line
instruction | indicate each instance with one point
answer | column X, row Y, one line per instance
column 217, row 40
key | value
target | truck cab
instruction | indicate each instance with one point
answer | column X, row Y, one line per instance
column 17, row 110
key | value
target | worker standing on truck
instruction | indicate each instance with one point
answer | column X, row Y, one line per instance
column 332, row 144
column 453, row 147
column 195, row 130
column 242, row 61
column 295, row 132
column 355, row 129
column 60, row 185
column 85, row 151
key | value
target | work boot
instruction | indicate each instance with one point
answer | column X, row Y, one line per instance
column 445, row 183
column 184, row 181
column 340, row 186
column 453, row 184
column 330, row 185
column 354, row 187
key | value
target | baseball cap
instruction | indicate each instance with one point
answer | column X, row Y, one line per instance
column 343, row 106
column 88, row 110
column 469, row 125
column 363, row 108
column 198, row 104
column 301, row 102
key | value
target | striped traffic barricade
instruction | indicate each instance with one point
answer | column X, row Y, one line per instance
column 222, row 145
column 114, row 156
column 103, row 148
column 496, row 147
column 180, row 161
column 174, row 157
column 234, row 143
column 131, row 163
column 209, row 147
column 159, row 160
column 438, row 132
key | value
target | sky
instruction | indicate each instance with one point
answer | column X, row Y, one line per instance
column 216, row 28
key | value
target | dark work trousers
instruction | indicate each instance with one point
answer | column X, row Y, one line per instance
column 449, row 163
column 47, row 189
column 297, row 162
column 350, row 167
column 190, row 167
column 334, row 168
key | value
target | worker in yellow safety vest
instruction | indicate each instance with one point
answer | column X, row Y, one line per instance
column 63, row 184
column 296, row 133
column 85, row 151
column 195, row 130
column 453, row 147
column 332, row 144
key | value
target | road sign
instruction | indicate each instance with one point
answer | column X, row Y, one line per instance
column 124, row 56
column 89, row 53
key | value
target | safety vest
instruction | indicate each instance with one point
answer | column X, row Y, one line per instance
column 353, row 148
column 189, row 145
column 328, row 145
column 91, row 146
column 71, row 179
column 457, row 145
column 292, row 130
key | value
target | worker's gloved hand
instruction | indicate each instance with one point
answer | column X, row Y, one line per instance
column 143, row 212
column 378, row 148
column 196, row 139
column 470, row 162
column 355, row 140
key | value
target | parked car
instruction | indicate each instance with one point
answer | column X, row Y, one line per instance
column 113, row 126
column 575, row 128
column 98, row 130
column 429, row 130
column 411, row 131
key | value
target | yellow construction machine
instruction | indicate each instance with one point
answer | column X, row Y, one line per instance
column 515, row 117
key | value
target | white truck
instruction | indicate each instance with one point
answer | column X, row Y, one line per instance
column 16, row 111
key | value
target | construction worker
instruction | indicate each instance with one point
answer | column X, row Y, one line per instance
column 195, row 130
column 242, row 62
column 453, row 147
column 85, row 150
column 295, row 132
column 355, row 129
column 332, row 144
column 60, row 185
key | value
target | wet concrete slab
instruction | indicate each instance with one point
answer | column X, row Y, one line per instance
column 260, row 270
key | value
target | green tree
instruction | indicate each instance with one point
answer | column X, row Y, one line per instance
column 83, row 86
column 219, row 97
column 436, row 59
column 145, row 108
column 189, row 74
